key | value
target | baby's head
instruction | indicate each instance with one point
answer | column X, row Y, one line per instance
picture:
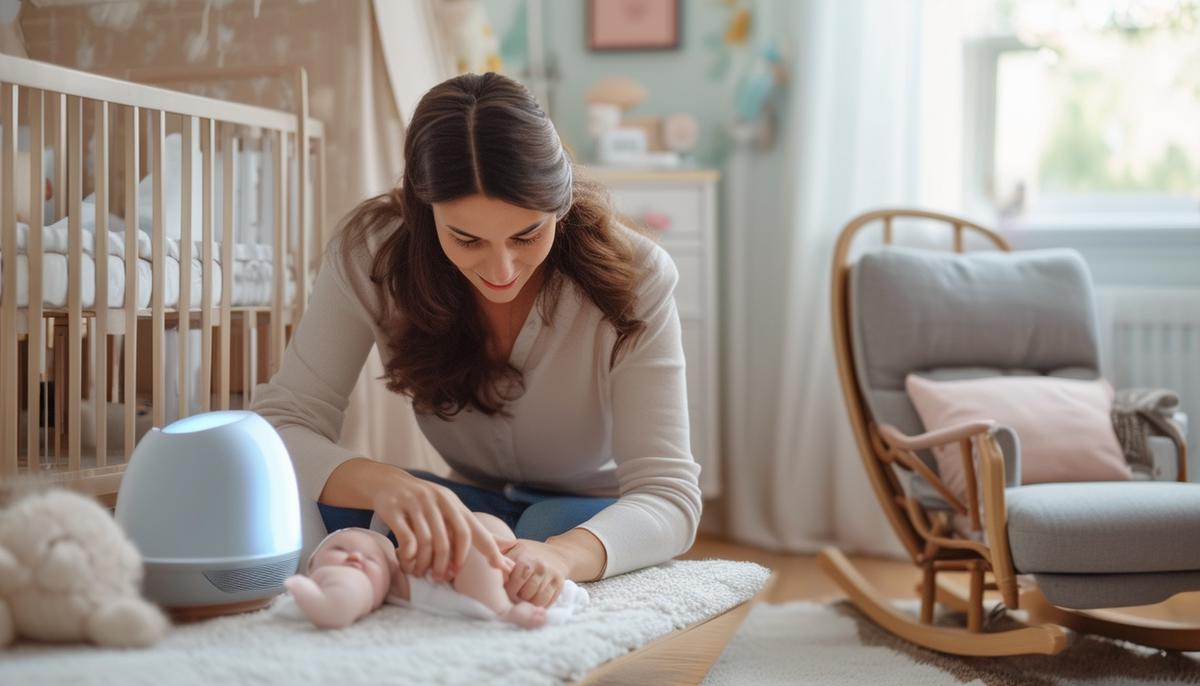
column 368, row 551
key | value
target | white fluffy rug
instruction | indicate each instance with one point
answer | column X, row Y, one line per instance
column 397, row 645
column 809, row 643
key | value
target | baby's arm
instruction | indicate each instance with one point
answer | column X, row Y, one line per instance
column 334, row 596
column 483, row 582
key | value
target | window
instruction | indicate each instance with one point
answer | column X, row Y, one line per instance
column 1089, row 113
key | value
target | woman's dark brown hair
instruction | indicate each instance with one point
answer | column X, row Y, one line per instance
column 482, row 134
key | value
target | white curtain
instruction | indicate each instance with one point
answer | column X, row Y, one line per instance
column 849, row 143
column 399, row 57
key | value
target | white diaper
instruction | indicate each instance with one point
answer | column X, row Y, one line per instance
column 440, row 598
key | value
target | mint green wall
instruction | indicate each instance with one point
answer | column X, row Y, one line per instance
column 688, row 79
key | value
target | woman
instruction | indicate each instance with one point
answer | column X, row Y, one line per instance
column 539, row 342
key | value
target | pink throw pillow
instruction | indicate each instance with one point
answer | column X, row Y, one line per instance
column 1064, row 425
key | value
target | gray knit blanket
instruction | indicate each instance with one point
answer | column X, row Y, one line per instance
column 1139, row 413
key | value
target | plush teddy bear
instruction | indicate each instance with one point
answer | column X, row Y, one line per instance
column 68, row 573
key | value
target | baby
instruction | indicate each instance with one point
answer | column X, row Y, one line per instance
column 353, row 571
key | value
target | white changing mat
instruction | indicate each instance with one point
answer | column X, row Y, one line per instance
column 396, row 645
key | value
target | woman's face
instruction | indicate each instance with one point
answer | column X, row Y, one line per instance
column 497, row 246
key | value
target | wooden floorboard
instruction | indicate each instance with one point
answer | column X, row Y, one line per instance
column 797, row 576
column 686, row 658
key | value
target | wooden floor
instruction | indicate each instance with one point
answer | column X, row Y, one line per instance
column 688, row 659
column 797, row 576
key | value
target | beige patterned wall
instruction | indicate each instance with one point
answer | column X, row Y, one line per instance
column 333, row 40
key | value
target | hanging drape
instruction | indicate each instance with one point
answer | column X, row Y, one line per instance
column 849, row 143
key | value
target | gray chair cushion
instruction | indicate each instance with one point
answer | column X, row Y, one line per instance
column 919, row 309
column 1117, row 527
column 1091, row 591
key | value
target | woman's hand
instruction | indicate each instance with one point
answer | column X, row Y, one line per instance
column 434, row 530
column 538, row 572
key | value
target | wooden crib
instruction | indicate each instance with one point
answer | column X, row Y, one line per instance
column 183, row 309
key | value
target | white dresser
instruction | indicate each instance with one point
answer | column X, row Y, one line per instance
column 680, row 207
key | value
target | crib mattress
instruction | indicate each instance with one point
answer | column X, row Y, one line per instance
column 251, row 282
column 252, row 275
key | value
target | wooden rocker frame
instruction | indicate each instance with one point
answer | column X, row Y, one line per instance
column 928, row 536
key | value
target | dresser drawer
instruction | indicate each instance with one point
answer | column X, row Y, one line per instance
column 695, row 360
column 701, row 414
column 689, row 292
column 671, row 212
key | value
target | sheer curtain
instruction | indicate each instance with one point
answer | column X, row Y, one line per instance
column 400, row 56
column 849, row 144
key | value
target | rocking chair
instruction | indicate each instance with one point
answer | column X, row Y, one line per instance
column 1071, row 555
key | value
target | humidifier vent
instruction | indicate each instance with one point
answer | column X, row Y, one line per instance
column 262, row 577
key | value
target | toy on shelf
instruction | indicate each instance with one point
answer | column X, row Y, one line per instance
column 635, row 141
column 755, row 97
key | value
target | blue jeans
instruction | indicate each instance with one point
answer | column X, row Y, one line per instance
column 531, row 514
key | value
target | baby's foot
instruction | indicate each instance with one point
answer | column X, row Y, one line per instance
column 316, row 604
column 306, row 592
column 526, row 615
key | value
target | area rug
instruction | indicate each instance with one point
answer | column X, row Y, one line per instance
column 396, row 645
column 810, row 643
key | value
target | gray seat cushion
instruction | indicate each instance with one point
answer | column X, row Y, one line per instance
column 1091, row 591
column 1104, row 528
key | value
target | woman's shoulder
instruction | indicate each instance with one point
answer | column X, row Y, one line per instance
column 657, row 274
column 351, row 261
column 355, row 251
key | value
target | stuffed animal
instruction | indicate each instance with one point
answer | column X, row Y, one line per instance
column 68, row 573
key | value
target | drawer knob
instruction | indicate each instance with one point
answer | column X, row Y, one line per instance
column 658, row 221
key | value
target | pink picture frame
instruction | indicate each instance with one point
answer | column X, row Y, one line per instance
column 633, row 24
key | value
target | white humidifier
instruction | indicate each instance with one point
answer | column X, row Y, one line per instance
column 211, row 503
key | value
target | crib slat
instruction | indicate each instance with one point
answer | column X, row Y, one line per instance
column 158, row 268
column 74, row 279
column 132, row 176
column 100, row 337
column 302, row 193
column 207, row 141
column 887, row 230
column 278, row 265
column 250, row 355
column 185, row 264
column 318, row 223
column 60, row 150
column 229, row 149
column 58, row 344
column 37, row 217
column 8, row 336
column 958, row 238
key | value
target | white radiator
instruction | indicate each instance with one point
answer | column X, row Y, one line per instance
column 1150, row 338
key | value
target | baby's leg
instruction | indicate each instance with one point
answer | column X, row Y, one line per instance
column 485, row 583
column 333, row 597
column 495, row 525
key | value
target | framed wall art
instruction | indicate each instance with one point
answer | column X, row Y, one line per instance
column 633, row 24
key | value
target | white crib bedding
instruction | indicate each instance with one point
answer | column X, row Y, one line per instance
column 252, row 275
column 253, row 262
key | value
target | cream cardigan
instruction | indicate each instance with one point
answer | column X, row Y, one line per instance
column 580, row 427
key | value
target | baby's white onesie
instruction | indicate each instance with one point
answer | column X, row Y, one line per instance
column 440, row 598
